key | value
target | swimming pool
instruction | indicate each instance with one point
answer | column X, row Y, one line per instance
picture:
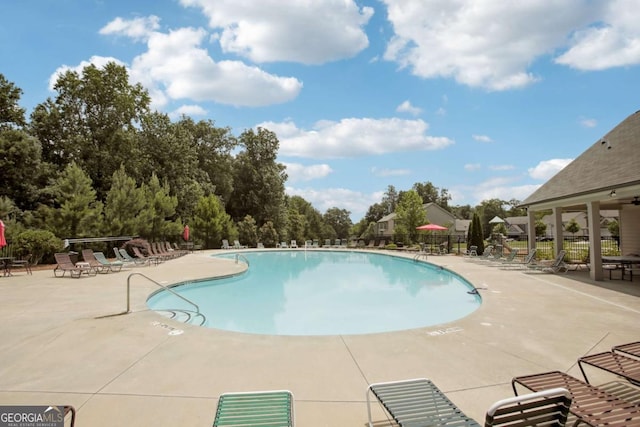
column 327, row 293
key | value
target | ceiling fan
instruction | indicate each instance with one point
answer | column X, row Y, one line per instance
column 636, row 201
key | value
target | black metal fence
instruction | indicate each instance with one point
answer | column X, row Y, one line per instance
column 577, row 248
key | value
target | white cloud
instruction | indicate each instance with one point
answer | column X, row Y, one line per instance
column 613, row 41
column 406, row 107
column 188, row 110
column 137, row 28
column 354, row 201
column 176, row 62
column 98, row 61
column 310, row 32
column 472, row 167
column 482, row 138
column 481, row 43
column 354, row 137
column 548, row 168
column 589, row 123
column 176, row 66
column 383, row 172
column 489, row 191
column 503, row 188
column 501, row 167
column 298, row 172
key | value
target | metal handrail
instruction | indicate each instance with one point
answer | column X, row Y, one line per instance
column 158, row 284
column 189, row 313
column 238, row 256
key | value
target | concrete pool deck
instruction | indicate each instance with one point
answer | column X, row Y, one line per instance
column 62, row 343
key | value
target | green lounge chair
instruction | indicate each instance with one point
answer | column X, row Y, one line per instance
column 261, row 408
column 417, row 402
column 128, row 258
column 89, row 258
column 114, row 266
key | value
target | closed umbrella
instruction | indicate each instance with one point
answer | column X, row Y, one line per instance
column 3, row 242
column 185, row 233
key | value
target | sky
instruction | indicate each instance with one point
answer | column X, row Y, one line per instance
column 484, row 98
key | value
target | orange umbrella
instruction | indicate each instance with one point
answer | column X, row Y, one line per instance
column 185, row 233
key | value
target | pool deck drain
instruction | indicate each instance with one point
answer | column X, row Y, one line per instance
column 61, row 343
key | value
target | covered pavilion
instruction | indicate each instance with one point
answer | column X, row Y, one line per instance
column 605, row 177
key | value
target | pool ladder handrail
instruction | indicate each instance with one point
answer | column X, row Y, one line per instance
column 190, row 314
column 244, row 258
column 198, row 313
column 417, row 256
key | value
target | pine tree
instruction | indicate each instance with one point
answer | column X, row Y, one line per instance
column 476, row 235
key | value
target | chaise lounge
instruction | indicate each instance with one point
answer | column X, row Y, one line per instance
column 64, row 265
column 261, row 408
column 113, row 266
column 419, row 403
column 592, row 405
column 89, row 258
column 557, row 266
column 615, row 362
column 123, row 255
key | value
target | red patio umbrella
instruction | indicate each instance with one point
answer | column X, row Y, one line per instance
column 185, row 233
column 3, row 242
column 431, row 227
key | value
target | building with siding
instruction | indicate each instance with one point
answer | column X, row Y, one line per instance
column 606, row 177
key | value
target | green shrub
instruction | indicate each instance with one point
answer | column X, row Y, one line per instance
column 268, row 235
column 41, row 244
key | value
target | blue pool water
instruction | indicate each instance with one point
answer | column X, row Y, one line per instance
column 327, row 293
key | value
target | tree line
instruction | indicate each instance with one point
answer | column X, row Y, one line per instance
column 96, row 160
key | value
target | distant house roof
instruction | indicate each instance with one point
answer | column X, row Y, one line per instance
column 517, row 220
column 435, row 215
column 462, row 225
column 387, row 218
column 612, row 162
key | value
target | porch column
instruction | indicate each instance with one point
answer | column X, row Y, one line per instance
column 595, row 242
column 531, row 229
column 558, row 232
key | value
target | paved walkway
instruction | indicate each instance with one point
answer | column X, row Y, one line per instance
column 60, row 343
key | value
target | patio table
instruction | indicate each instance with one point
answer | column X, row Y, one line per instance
column 624, row 261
